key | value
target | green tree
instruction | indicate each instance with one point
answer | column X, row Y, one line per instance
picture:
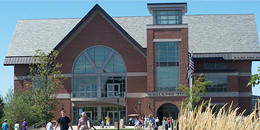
column 46, row 80
column 198, row 88
column 254, row 79
column 2, row 104
column 17, row 107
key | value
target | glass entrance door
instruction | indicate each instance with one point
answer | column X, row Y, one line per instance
column 113, row 89
column 113, row 115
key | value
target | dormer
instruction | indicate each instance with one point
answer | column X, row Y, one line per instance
column 167, row 13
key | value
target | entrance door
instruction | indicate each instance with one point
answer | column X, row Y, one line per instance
column 85, row 91
column 113, row 115
column 113, row 89
column 89, row 114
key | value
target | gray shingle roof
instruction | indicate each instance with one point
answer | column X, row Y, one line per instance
column 207, row 33
column 222, row 33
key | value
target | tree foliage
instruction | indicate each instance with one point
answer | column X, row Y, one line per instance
column 2, row 104
column 46, row 80
column 198, row 88
column 254, row 79
column 17, row 107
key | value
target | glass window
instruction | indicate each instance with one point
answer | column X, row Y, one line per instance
column 167, row 66
column 215, row 65
column 217, row 85
column 167, row 17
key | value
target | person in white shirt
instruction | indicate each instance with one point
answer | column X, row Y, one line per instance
column 136, row 123
column 49, row 126
column 16, row 125
column 157, row 121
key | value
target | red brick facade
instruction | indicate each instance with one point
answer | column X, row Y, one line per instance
column 99, row 32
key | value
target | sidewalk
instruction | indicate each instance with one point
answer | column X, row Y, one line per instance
column 98, row 127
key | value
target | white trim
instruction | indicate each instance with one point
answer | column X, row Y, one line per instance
column 136, row 73
column 225, row 74
column 135, row 95
column 63, row 96
column 227, row 94
column 167, row 40
column 167, row 26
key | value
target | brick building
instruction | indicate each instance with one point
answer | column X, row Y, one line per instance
column 142, row 58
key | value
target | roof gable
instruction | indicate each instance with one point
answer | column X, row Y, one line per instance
column 82, row 23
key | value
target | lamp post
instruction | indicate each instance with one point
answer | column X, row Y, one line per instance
column 117, row 97
column 149, row 104
column 139, row 108
column 62, row 106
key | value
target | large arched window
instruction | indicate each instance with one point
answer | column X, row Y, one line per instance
column 98, row 71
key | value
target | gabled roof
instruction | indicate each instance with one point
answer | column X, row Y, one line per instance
column 208, row 34
column 98, row 9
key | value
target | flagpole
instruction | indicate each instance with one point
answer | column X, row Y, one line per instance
column 190, row 83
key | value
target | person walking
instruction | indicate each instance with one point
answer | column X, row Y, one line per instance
column 151, row 122
column 136, row 123
column 5, row 125
column 84, row 122
column 64, row 121
column 157, row 122
column 16, row 125
column 107, row 122
column 49, row 126
column 24, row 125
column 100, row 121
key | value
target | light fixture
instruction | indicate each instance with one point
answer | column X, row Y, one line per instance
column 117, row 95
column 135, row 105
column 62, row 106
column 149, row 104
column 139, row 102
column 139, row 108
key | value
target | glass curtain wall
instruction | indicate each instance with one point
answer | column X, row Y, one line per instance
column 167, row 66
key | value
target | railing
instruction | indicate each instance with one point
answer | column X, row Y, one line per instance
column 96, row 94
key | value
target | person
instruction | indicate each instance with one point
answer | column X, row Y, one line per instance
column 5, row 125
column 136, row 123
column 169, row 122
column 64, row 121
column 131, row 121
column 140, row 123
column 84, row 122
column 145, row 121
column 100, row 121
column 157, row 121
column 24, row 125
column 107, row 122
column 49, row 126
column 151, row 122
column 16, row 125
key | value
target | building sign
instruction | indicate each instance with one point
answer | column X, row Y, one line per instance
column 163, row 94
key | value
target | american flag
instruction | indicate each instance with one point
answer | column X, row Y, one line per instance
column 191, row 67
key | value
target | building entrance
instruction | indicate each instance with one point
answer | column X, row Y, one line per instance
column 89, row 114
column 113, row 115
column 167, row 110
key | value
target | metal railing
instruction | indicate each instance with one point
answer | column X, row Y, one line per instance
column 95, row 94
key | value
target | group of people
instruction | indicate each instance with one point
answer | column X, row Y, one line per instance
column 107, row 122
column 144, row 122
column 16, row 126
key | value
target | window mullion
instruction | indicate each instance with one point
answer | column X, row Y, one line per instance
column 107, row 60
column 90, row 60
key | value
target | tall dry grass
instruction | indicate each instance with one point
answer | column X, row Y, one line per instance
column 226, row 119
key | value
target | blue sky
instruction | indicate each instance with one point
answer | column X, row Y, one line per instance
column 13, row 10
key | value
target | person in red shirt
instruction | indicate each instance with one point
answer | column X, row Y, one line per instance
column 169, row 122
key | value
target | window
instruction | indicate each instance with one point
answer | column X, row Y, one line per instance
column 217, row 107
column 99, row 65
column 219, row 84
column 167, row 66
column 215, row 65
column 168, row 17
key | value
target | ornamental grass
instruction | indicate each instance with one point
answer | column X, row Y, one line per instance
column 227, row 118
